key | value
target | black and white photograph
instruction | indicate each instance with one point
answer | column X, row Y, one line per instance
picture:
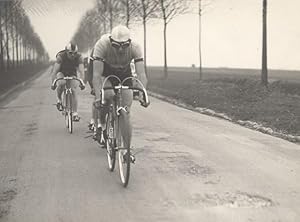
column 149, row 111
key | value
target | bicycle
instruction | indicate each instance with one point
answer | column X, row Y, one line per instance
column 67, row 99
column 114, row 140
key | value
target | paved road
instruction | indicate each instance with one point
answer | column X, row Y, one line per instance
column 190, row 167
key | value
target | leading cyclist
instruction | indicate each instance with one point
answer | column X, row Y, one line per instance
column 68, row 63
column 112, row 56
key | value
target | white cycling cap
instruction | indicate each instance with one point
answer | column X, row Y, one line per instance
column 120, row 33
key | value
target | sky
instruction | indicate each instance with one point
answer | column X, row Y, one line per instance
column 231, row 32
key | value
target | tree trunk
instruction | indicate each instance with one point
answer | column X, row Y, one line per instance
column 145, row 44
column 200, row 38
column 111, row 18
column 165, row 51
column 1, row 43
column 17, row 45
column 104, row 26
column 264, row 71
column 32, row 56
column 25, row 53
column 21, row 52
column 7, row 37
column 128, row 13
column 13, row 41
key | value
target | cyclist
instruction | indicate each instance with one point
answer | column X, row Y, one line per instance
column 68, row 62
column 112, row 56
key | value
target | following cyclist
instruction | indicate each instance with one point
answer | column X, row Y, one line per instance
column 112, row 56
column 68, row 63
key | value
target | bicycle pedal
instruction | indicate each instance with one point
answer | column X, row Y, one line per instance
column 132, row 159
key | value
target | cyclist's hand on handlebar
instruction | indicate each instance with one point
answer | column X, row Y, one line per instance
column 144, row 104
column 97, row 103
column 142, row 100
column 82, row 86
column 93, row 92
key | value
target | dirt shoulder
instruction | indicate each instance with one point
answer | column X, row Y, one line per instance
column 239, row 98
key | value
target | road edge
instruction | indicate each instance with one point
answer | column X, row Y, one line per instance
column 248, row 124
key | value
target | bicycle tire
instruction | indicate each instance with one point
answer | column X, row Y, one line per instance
column 110, row 141
column 66, row 119
column 123, row 159
column 70, row 113
column 64, row 112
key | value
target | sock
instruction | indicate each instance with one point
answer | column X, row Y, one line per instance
column 92, row 121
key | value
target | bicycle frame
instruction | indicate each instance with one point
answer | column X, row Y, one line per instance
column 67, row 100
column 114, row 141
column 67, row 105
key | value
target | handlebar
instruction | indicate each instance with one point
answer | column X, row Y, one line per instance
column 68, row 78
column 144, row 103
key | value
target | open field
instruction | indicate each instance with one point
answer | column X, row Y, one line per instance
column 283, row 75
column 236, row 93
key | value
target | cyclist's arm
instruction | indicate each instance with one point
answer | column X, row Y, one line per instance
column 55, row 70
column 98, row 67
column 81, row 72
column 140, row 71
column 80, row 68
column 137, row 55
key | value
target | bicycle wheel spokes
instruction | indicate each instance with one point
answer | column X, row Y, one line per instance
column 124, row 163
column 64, row 112
column 70, row 122
column 110, row 142
column 66, row 119
column 69, row 112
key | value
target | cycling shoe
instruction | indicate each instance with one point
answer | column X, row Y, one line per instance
column 59, row 106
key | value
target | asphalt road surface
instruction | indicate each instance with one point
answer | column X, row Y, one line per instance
column 190, row 167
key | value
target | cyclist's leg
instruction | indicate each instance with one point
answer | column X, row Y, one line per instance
column 94, row 117
column 60, row 86
column 89, row 77
column 126, row 128
column 74, row 86
column 101, row 114
column 108, row 96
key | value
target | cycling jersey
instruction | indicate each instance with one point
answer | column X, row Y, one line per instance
column 114, row 62
column 68, row 65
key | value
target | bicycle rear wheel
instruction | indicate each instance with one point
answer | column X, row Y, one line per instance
column 124, row 160
column 110, row 141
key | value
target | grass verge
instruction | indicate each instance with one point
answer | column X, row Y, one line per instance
column 243, row 100
column 18, row 75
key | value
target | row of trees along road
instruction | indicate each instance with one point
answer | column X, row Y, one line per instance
column 19, row 44
column 107, row 13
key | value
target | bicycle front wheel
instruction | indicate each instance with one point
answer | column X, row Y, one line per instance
column 70, row 122
column 65, row 109
column 69, row 113
column 110, row 142
column 124, row 160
